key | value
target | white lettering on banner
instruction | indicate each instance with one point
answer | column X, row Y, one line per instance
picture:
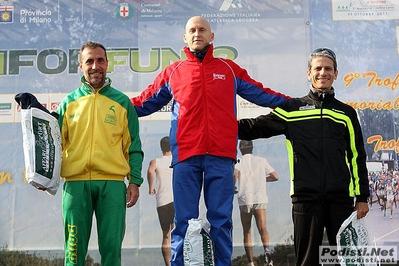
column 36, row 12
column 364, row 10
column 225, row 17
column 36, row 16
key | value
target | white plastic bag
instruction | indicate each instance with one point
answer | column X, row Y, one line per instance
column 42, row 149
column 352, row 234
column 198, row 247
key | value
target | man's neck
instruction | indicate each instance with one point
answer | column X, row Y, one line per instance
column 322, row 91
column 200, row 54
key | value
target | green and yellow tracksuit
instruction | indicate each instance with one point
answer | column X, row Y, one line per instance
column 100, row 147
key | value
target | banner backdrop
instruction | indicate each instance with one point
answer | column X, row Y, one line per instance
column 39, row 45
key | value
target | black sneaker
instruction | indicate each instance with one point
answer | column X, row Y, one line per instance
column 268, row 259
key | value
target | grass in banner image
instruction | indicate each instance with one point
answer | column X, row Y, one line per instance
column 380, row 129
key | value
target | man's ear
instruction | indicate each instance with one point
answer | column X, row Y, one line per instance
column 336, row 74
column 308, row 75
column 184, row 39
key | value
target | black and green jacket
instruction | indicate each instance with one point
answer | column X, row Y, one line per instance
column 325, row 147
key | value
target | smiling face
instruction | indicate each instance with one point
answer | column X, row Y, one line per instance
column 94, row 64
column 322, row 73
column 198, row 33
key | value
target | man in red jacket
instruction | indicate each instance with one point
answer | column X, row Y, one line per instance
column 203, row 134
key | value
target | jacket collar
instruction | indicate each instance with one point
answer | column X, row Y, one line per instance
column 88, row 87
column 191, row 57
column 322, row 96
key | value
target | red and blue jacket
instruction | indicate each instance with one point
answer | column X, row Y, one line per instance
column 203, row 94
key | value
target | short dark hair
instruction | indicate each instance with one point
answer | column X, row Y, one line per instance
column 323, row 52
column 165, row 144
column 246, row 146
column 92, row 45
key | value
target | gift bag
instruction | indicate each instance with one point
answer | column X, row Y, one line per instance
column 198, row 247
column 42, row 149
column 352, row 235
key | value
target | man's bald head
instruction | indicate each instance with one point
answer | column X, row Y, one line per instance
column 198, row 33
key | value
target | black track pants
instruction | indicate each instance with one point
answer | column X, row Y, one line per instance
column 310, row 219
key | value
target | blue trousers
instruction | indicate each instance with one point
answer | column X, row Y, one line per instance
column 216, row 174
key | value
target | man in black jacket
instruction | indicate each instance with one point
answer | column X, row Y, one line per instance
column 326, row 157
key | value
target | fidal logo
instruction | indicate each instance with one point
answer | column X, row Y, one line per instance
column 227, row 4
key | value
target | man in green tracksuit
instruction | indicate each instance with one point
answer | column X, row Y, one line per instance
column 326, row 156
column 100, row 148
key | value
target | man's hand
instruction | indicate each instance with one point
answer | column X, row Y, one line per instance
column 152, row 191
column 362, row 209
column 132, row 195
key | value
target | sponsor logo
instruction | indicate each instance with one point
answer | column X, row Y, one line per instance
column 307, row 107
column 219, row 76
column 110, row 118
column 72, row 244
column 6, row 14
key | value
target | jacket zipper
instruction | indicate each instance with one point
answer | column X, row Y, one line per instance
column 322, row 174
column 205, row 104
column 93, row 119
column 92, row 133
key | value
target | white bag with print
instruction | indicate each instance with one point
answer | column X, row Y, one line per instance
column 42, row 149
column 198, row 247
